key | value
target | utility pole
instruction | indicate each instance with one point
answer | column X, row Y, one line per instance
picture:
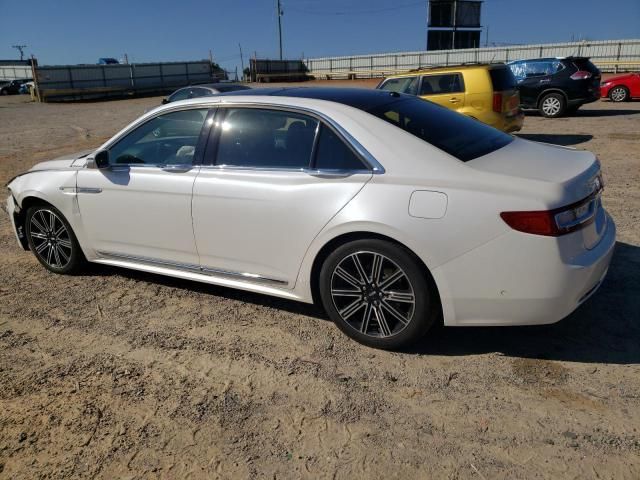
column 241, row 59
column 279, row 12
column 126, row 59
column 210, row 57
column 486, row 43
column 21, row 48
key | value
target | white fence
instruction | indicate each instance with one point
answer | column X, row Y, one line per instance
column 608, row 55
column 13, row 72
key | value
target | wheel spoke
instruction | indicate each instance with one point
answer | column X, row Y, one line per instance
column 365, row 318
column 40, row 248
column 404, row 297
column 347, row 277
column 359, row 268
column 40, row 236
column 352, row 308
column 382, row 322
column 346, row 293
column 44, row 221
column 34, row 221
column 60, row 231
column 49, row 254
column 65, row 243
column 392, row 279
column 376, row 268
column 398, row 316
column 62, row 253
column 56, row 256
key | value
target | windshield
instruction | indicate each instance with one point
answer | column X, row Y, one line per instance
column 454, row 133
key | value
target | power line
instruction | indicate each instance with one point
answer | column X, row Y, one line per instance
column 355, row 12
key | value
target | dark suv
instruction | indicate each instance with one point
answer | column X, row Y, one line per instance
column 555, row 86
column 13, row 87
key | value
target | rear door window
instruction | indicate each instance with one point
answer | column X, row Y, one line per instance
column 408, row 85
column 333, row 154
column 439, row 84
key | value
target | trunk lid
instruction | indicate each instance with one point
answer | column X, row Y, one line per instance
column 575, row 173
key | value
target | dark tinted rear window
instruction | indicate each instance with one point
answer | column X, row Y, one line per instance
column 502, row 79
column 585, row 64
column 456, row 134
column 231, row 88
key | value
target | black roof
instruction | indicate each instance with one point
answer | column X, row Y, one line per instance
column 361, row 98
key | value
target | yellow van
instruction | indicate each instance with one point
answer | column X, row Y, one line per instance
column 486, row 92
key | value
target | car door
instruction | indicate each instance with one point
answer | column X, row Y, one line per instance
column 274, row 179
column 140, row 206
column 445, row 89
column 634, row 85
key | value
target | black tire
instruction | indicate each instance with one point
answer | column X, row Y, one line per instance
column 52, row 241
column 4, row 92
column 619, row 94
column 552, row 105
column 374, row 322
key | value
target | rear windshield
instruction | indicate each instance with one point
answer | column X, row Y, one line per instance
column 231, row 88
column 585, row 64
column 502, row 79
column 454, row 133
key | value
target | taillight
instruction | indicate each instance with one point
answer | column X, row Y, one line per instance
column 559, row 221
column 581, row 75
column 497, row 102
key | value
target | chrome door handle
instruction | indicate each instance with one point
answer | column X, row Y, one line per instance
column 454, row 100
column 177, row 168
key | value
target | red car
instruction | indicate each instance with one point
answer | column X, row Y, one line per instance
column 621, row 88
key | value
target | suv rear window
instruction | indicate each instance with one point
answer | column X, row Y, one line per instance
column 502, row 79
column 585, row 64
column 456, row 134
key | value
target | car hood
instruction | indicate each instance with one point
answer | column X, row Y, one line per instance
column 65, row 161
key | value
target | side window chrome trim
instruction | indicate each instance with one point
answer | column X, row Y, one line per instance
column 370, row 160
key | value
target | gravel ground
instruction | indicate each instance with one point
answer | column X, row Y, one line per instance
column 118, row 374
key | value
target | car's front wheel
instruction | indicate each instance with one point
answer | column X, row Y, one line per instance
column 618, row 94
column 377, row 293
column 553, row 105
column 52, row 240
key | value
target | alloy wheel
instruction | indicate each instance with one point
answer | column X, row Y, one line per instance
column 551, row 106
column 372, row 294
column 618, row 94
column 50, row 238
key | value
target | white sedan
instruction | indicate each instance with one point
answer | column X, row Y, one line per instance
column 390, row 211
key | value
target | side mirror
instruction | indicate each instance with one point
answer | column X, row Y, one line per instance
column 101, row 159
column 165, row 101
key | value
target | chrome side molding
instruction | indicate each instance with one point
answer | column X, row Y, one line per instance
column 188, row 267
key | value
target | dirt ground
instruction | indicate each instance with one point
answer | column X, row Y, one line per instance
column 118, row 374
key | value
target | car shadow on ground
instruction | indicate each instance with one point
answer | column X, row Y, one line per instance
column 587, row 112
column 556, row 139
column 605, row 329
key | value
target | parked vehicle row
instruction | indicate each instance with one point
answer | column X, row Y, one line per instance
column 13, row 87
column 494, row 93
column 389, row 211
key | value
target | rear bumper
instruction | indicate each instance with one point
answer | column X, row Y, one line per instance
column 508, row 123
column 521, row 279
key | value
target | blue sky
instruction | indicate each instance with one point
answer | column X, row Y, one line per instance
column 73, row 31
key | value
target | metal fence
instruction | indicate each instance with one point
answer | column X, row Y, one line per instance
column 63, row 82
column 608, row 55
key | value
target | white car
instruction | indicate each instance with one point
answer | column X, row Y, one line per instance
column 390, row 211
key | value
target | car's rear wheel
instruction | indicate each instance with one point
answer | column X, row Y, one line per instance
column 553, row 105
column 52, row 240
column 377, row 294
column 619, row 94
